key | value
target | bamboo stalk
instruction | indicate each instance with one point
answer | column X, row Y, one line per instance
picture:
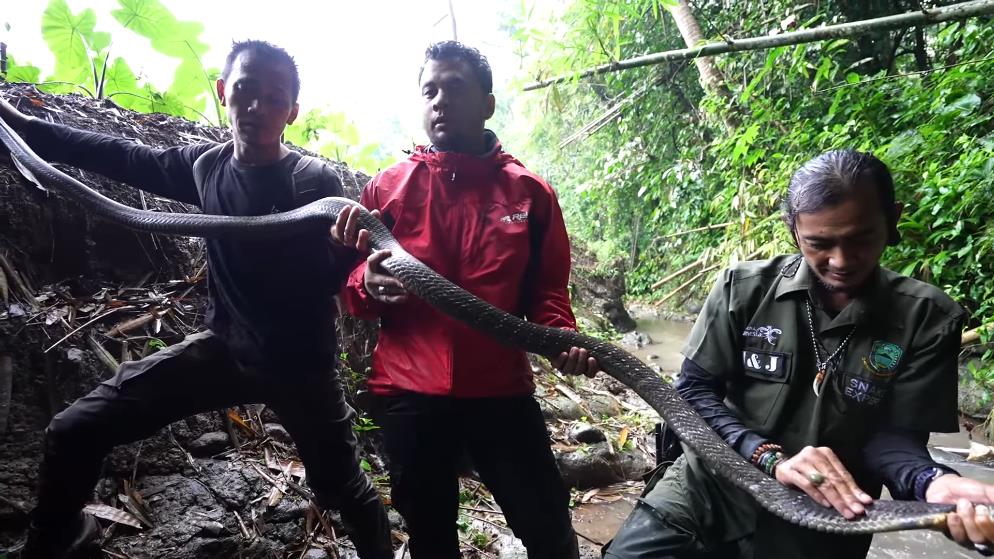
column 676, row 274
column 972, row 336
column 964, row 10
column 696, row 229
column 687, row 283
column 698, row 276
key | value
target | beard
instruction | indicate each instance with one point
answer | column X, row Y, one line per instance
column 847, row 290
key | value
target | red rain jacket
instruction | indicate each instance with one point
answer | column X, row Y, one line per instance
column 491, row 227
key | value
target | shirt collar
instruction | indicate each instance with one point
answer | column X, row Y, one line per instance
column 797, row 277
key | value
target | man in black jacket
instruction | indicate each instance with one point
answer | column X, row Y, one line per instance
column 270, row 334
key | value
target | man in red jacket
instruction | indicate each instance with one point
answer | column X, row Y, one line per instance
column 478, row 217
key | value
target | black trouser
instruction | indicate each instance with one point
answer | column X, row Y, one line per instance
column 200, row 374
column 506, row 440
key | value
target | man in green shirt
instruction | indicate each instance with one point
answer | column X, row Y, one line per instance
column 826, row 371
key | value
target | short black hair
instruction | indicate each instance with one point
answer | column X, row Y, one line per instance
column 454, row 50
column 267, row 50
column 831, row 178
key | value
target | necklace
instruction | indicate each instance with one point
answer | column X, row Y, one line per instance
column 822, row 366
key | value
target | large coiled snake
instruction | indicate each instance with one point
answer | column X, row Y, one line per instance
column 789, row 504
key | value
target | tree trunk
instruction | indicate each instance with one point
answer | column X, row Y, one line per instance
column 921, row 54
column 711, row 78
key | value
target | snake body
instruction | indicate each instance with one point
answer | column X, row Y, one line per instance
column 788, row 504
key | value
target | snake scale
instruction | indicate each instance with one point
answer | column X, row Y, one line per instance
column 788, row 504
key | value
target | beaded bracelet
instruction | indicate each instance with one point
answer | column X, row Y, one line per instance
column 762, row 449
column 769, row 461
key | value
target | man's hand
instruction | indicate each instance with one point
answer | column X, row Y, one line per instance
column 379, row 283
column 346, row 229
column 576, row 362
column 819, row 473
column 970, row 524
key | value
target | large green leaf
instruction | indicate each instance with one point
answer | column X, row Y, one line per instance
column 963, row 105
column 121, row 85
column 21, row 73
column 152, row 20
column 192, row 84
column 73, row 41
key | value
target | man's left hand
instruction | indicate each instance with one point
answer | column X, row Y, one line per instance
column 346, row 230
column 577, row 362
column 970, row 524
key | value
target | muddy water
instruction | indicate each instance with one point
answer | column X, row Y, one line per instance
column 667, row 338
column 599, row 522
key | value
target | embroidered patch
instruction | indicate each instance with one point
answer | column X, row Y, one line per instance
column 884, row 356
column 767, row 364
column 769, row 333
column 866, row 391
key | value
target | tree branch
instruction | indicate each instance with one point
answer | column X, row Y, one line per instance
column 960, row 11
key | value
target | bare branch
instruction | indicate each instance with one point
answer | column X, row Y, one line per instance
column 960, row 11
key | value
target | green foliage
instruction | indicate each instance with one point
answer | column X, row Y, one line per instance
column 364, row 424
column 79, row 50
column 179, row 40
column 84, row 62
column 669, row 161
column 334, row 136
column 21, row 72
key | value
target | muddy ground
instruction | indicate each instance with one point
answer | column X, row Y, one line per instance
column 80, row 295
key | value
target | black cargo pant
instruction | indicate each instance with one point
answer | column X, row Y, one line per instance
column 507, row 442
column 200, row 374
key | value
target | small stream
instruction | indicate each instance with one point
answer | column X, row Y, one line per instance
column 599, row 522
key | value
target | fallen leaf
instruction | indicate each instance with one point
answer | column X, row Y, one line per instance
column 589, row 494
column 106, row 512
column 979, row 452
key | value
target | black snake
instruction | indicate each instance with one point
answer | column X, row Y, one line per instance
column 788, row 504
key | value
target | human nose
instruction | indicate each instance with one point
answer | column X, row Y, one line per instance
column 440, row 101
column 840, row 258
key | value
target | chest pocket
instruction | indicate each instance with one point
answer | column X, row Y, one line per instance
column 763, row 391
column 860, row 391
column 864, row 383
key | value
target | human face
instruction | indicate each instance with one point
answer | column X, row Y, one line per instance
column 258, row 95
column 843, row 244
column 455, row 106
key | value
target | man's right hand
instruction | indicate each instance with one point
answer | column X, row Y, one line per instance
column 818, row 472
column 379, row 283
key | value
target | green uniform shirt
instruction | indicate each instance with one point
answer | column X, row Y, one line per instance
column 899, row 369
